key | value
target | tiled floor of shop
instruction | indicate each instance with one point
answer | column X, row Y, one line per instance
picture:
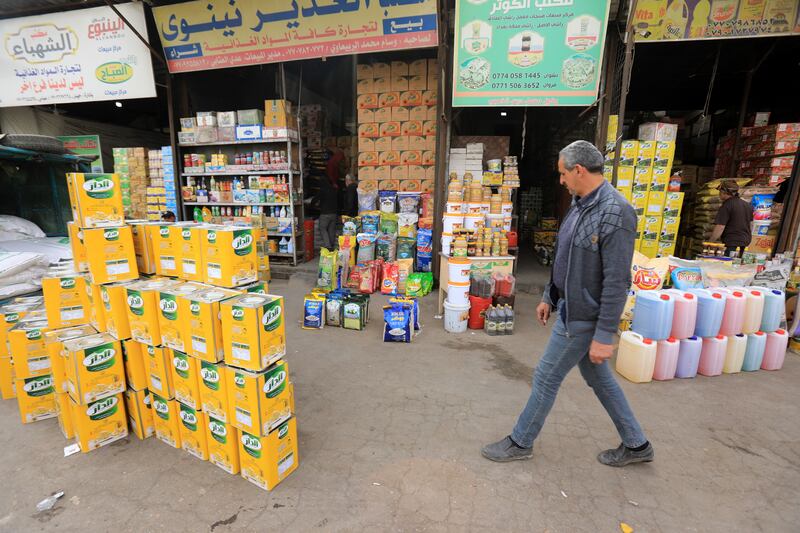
column 390, row 438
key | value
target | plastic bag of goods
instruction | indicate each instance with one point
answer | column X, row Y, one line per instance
column 685, row 274
column 427, row 283
column 355, row 312
column 407, row 225
column 414, row 285
column 408, row 202
column 377, row 273
column 414, row 310
column 366, row 279
column 386, row 247
column 350, row 225
column 503, row 284
column 366, row 247
column 326, row 272
column 397, row 325
column 426, row 205
column 726, row 274
column 367, row 201
column 333, row 310
column 762, row 206
column 481, row 284
column 405, row 267
column 354, row 278
column 370, row 222
column 775, row 274
column 424, row 249
column 406, row 248
column 388, row 223
column 313, row 311
column 387, row 201
column 391, row 278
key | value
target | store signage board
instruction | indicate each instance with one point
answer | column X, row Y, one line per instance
column 688, row 20
column 86, row 55
column 84, row 145
column 528, row 52
column 211, row 34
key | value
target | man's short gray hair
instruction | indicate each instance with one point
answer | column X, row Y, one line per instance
column 582, row 153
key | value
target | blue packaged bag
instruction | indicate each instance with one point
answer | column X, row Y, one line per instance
column 313, row 312
column 397, row 323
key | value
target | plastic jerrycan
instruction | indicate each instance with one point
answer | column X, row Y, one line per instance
column 685, row 314
column 733, row 316
column 712, row 356
column 774, row 306
column 666, row 359
column 734, row 353
column 652, row 314
column 710, row 307
column 636, row 357
column 775, row 350
column 754, row 351
column 753, row 310
column 688, row 357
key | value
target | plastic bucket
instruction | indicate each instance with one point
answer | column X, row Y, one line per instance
column 472, row 208
column 447, row 240
column 454, row 208
column 473, row 222
column 455, row 317
column 452, row 222
column 478, row 306
column 458, row 270
column 507, row 209
column 458, row 293
column 495, row 222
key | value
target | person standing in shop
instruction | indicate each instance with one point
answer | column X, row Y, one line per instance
column 328, row 197
column 587, row 291
column 350, row 196
column 732, row 224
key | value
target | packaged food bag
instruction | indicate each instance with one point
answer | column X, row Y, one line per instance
column 370, row 222
column 326, row 272
column 414, row 284
column 386, row 247
column 387, row 201
column 397, row 323
column 366, row 247
column 313, row 311
column 388, row 223
column 367, row 201
column 404, row 267
column 350, row 225
column 685, row 274
column 333, row 310
column 414, row 309
column 408, row 202
column 406, row 248
column 391, row 276
column 407, row 225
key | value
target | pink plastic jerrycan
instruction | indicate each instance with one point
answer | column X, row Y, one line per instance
column 712, row 356
column 685, row 315
column 666, row 359
column 775, row 350
column 733, row 316
column 734, row 354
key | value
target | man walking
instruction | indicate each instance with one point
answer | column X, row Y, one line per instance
column 587, row 290
column 732, row 223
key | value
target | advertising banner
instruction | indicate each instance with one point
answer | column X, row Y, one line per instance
column 211, row 34
column 528, row 52
column 85, row 145
column 85, row 55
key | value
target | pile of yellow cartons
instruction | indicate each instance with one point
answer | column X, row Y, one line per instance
column 130, row 164
column 643, row 178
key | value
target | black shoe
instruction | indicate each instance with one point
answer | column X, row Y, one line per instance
column 505, row 450
column 624, row 456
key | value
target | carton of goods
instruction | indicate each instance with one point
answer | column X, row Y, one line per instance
column 260, row 400
column 143, row 246
column 646, row 154
column 666, row 248
column 115, row 310
column 639, row 202
column 266, row 461
column 185, row 379
column 137, row 368
column 665, row 154
column 8, row 389
column 164, row 250
column 65, row 416
column 28, row 351
column 669, row 229
column 143, row 311
column 202, row 327
column 230, row 256
column 96, row 200
column 652, row 227
column 100, row 422
column 78, row 247
column 140, row 413
column 658, row 131
column 36, row 398
column 660, row 179
column 10, row 315
column 187, row 244
column 625, row 176
column 66, row 301
column 159, row 368
column 193, row 431
column 171, row 320
column 673, row 203
column 54, row 342
column 96, row 309
column 253, row 331
column 94, row 367
column 655, row 203
column 642, row 178
column 166, row 420
column 214, row 397
column 223, row 444
column 626, row 193
column 629, row 151
column 648, row 247
column 112, row 256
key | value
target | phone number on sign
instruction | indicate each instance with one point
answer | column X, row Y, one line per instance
column 516, row 85
column 516, row 75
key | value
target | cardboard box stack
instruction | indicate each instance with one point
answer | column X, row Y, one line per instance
column 767, row 153
column 131, row 166
column 161, row 194
column 277, row 120
column 313, row 125
column 643, row 178
column 397, row 104
column 467, row 160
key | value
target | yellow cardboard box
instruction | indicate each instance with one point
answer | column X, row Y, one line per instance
column 166, row 420
column 665, row 154
column 193, row 431
column 96, row 199
column 203, row 328
column 655, row 203
column 266, row 461
column 639, row 202
column 79, row 257
column 160, row 370
column 673, row 204
column 669, row 229
column 648, row 247
column 172, row 317
column 260, row 401
column 660, row 179
column 9, row 315
column 112, row 257
column 36, row 398
column 666, row 248
column 625, row 175
column 164, row 250
column 223, row 444
column 230, row 256
column 65, row 299
column 115, row 310
column 97, row 311
column 143, row 245
column 140, row 413
column 54, row 342
column 643, row 176
column 188, row 237
column 253, row 331
column 214, row 395
column 137, row 369
column 629, row 151
column 652, row 227
column 95, row 368
column 8, row 388
column 28, row 351
column 646, row 154
column 100, row 422
column 185, row 379
column 66, row 419
column 142, row 299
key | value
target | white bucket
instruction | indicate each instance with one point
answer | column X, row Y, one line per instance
column 507, row 223
column 507, row 209
column 473, row 208
column 495, row 222
column 473, row 222
column 454, row 207
column 486, row 208
column 447, row 240
column 452, row 222
column 458, row 293
column 458, row 270
column 455, row 317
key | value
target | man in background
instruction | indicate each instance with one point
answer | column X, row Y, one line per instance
column 168, row 216
column 732, row 224
column 350, row 196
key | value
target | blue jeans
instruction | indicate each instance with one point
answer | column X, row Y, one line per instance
column 563, row 352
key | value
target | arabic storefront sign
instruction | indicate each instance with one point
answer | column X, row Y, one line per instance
column 658, row 20
column 210, row 34
column 528, row 52
column 85, row 145
column 75, row 56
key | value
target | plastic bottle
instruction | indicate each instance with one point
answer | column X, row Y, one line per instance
column 666, row 359
column 733, row 316
column 754, row 351
column 290, row 246
column 775, row 350
column 710, row 307
column 282, row 245
column 197, row 214
column 636, row 357
column 774, row 307
column 712, row 356
column 652, row 314
column 509, row 320
column 685, row 316
column 501, row 320
column 491, row 321
column 688, row 357
column 734, row 353
column 753, row 311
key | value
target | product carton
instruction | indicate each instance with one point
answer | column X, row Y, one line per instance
column 112, row 257
column 262, row 400
column 417, row 83
column 187, row 239
column 36, row 398
column 143, row 246
column 166, row 420
column 400, row 114
column 365, row 115
column 192, row 429
column 253, row 331
column 185, row 379
column 203, row 328
column 646, row 154
column 364, row 86
column 65, row 416
column 652, row 227
column 96, row 199
column 383, row 144
column 655, row 203
column 54, row 342
column 266, row 461
column 367, row 101
column 8, row 389
column 171, row 317
column 223, row 444
column 159, row 368
column 364, row 72
column 142, row 298
column 79, row 257
column 629, row 151
column 398, row 83
column 418, row 67
column 669, row 229
column 642, row 178
column 649, row 248
column 639, row 202
column 10, row 315
column 382, row 84
column 95, row 368
column 96, row 309
column 115, row 310
column 383, row 114
column 666, row 248
column 28, row 351
column 665, row 154
column 66, row 301
column 658, row 131
column 660, row 179
column 140, row 413
column 230, row 256
column 100, row 422
column 388, row 99
column 673, row 203
column 381, row 70
column 164, row 249
column 214, row 395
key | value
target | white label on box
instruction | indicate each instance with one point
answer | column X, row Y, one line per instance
column 155, row 382
column 199, row 344
column 115, row 268
column 214, row 271
column 71, row 313
column 654, row 208
column 42, row 363
column 189, row 266
column 285, row 464
column 168, row 263
column 243, row 417
column 241, row 352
